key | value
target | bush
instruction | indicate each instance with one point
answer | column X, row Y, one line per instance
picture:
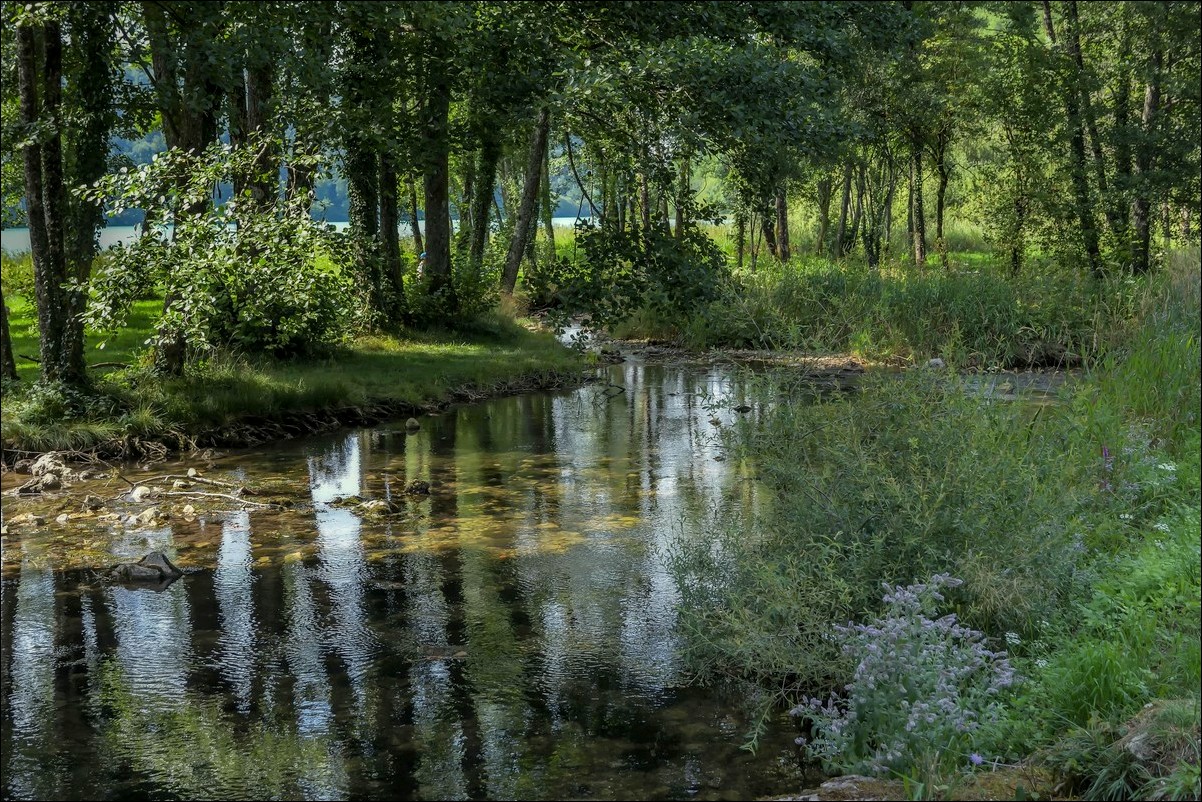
column 240, row 276
column 922, row 686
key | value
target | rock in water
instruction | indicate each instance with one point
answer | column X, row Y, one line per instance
column 418, row 488
column 154, row 571
column 412, row 425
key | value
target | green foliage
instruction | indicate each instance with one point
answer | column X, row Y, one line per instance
column 238, row 276
column 619, row 271
column 16, row 274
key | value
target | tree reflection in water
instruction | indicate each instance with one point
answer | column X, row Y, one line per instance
column 509, row 636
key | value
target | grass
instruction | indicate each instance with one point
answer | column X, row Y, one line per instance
column 412, row 369
column 1075, row 530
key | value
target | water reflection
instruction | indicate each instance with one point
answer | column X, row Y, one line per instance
column 510, row 635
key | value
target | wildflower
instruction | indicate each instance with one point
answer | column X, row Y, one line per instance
column 1167, row 466
column 975, row 759
column 1160, row 526
column 1013, row 639
column 1041, row 663
column 1126, row 516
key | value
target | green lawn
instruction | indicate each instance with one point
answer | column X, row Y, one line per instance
column 414, row 369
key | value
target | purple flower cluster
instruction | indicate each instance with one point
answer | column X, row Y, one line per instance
column 921, row 684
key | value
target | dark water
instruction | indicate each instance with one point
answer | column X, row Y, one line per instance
column 512, row 635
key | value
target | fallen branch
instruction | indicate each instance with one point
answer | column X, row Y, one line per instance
column 186, row 478
column 223, row 495
column 30, row 358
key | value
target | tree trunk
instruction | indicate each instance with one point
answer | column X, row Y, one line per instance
column 8, row 366
column 782, row 225
column 857, row 217
column 413, row 221
column 1145, row 154
column 362, row 178
column 1085, row 214
column 436, row 149
column 486, row 181
column 844, row 208
column 93, row 27
column 60, row 330
column 768, row 227
column 920, row 224
column 682, row 194
column 824, row 212
column 943, row 169
column 1110, row 205
column 740, row 237
column 390, row 237
column 645, row 203
column 260, row 109
column 548, row 208
column 524, row 223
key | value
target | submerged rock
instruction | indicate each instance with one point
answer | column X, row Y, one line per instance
column 40, row 484
column 381, row 507
column 418, row 488
column 91, row 503
column 154, row 571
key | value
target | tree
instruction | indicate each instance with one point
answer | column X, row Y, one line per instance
column 39, row 31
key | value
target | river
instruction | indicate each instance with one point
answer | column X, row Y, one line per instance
column 511, row 635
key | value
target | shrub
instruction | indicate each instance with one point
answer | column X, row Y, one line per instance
column 922, row 685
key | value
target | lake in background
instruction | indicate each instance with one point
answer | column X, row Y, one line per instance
column 16, row 240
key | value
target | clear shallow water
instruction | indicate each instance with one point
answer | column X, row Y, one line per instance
column 509, row 636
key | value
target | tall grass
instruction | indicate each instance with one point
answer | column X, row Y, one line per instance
column 1073, row 526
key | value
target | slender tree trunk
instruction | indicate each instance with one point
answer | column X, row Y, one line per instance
column 782, row 225
column 1085, row 213
column 1114, row 217
column 920, row 224
column 61, row 332
column 645, row 203
column 740, row 237
column 548, row 208
column 8, row 366
column 824, row 212
column 889, row 207
column 1141, row 207
column 436, row 147
column 857, row 217
column 682, row 194
column 486, row 181
column 524, row 224
column 944, row 172
column 413, row 221
column 844, row 209
column 390, row 237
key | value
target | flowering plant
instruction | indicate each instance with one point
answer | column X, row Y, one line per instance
column 922, row 685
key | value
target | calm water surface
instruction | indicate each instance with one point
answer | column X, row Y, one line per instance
column 509, row 636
